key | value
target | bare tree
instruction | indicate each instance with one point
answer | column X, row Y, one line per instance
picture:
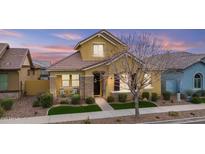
column 141, row 65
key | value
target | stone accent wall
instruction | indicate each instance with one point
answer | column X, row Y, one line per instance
column 53, row 86
column 12, row 95
column 86, row 86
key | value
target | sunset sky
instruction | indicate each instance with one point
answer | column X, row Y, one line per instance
column 54, row 44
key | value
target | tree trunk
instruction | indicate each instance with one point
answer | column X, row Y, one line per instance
column 137, row 113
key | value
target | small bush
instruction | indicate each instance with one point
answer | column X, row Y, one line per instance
column 90, row 100
column 196, row 95
column 110, row 99
column 173, row 114
column 36, row 103
column 196, row 100
column 75, row 99
column 122, row 97
column 154, row 97
column 166, row 96
column 1, row 112
column 46, row 100
column 64, row 102
column 145, row 95
column 7, row 104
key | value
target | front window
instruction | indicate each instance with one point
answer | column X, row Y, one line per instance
column 147, row 81
column 124, row 82
column 3, row 82
column 198, row 81
column 65, row 80
column 75, row 80
column 98, row 50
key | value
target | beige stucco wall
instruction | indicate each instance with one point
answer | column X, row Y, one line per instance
column 86, row 49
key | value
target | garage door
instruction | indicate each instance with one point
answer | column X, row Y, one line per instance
column 171, row 86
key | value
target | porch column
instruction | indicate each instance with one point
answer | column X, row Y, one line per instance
column 104, row 79
column 53, row 86
column 82, row 87
column 89, row 86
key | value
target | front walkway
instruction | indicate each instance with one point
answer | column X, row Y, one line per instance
column 100, row 114
column 103, row 104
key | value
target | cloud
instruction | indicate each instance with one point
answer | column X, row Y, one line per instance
column 50, row 48
column 178, row 45
column 10, row 33
column 68, row 36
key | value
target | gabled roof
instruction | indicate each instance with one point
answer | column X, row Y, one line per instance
column 3, row 48
column 106, row 35
column 13, row 58
column 179, row 60
column 75, row 63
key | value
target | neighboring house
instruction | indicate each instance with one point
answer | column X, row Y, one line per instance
column 42, row 67
column 184, row 72
column 15, row 68
column 88, row 70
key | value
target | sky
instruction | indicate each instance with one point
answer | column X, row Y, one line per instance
column 54, row 44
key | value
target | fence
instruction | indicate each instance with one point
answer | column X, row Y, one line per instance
column 35, row 87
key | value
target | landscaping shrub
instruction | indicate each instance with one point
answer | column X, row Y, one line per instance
column 46, row 100
column 110, row 99
column 75, row 99
column 1, row 112
column 173, row 114
column 36, row 103
column 145, row 95
column 7, row 104
column 122, row 97
column 189, row 93
column 166, row 95
column 196, row 94
column 90, row 100
column 196, row 100
column 154, row 97
column 64, row 102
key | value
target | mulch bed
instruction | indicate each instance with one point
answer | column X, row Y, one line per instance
column 23, row 108
column 143, row 118
column 171, row 102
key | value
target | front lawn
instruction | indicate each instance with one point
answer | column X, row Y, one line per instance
column 130, row 105
column 65, row 109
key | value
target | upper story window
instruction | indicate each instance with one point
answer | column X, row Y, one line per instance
column 98, row 50
column 198, row 78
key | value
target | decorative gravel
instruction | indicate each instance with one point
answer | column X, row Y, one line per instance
column 23, row 108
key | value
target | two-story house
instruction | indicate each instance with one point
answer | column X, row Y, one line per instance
column 89, row 70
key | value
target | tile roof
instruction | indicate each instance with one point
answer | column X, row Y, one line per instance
column 13, row 58
column 3, row 48
column 180, row 60
column 74, row 62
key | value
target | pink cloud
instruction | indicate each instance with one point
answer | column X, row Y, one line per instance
column 177, row 45
column 68, row 36
column 12, row 33
column 50, row 48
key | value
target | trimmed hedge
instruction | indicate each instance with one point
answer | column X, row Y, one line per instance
column 154, row 97
column 7, row 104
column 145, row 95
column 46, row 100
column 75, row 99
column 90, row 100
column 122, row 97
column 166, row 96
column 1, row 112
column 110, row 99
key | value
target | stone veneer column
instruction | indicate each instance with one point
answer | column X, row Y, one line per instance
column 89, row 86
column 53, row 86
column 82, row 87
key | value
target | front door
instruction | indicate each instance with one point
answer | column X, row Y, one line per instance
column 97, row 84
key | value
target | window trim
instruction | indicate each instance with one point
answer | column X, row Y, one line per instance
column 202, row 76
column 95, row 55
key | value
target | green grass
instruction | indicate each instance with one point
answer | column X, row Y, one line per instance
column 130, row 105
column 72, row 109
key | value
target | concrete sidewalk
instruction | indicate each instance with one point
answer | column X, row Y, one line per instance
column 100, row 114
